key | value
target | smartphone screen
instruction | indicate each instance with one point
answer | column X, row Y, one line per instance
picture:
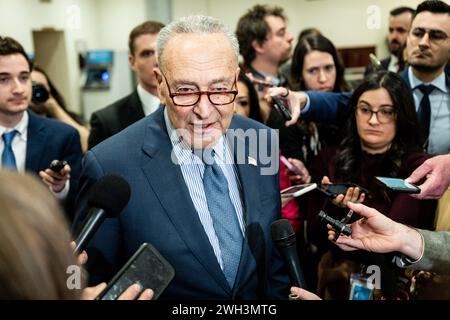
column 146, row 267
column 398, row 185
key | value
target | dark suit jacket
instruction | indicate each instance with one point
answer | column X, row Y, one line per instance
column 114, row 118
column 162, row 213
column 48, row 140
column 436, row 255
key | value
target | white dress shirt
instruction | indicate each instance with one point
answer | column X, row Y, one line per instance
column 150, row 103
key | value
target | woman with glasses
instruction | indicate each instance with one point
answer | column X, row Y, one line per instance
column 381, row 138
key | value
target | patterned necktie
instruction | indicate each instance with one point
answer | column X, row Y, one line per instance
column 8, row 158
column 224, row 218
column 424, row 112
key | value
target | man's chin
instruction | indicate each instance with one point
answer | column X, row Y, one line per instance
column 423, row 67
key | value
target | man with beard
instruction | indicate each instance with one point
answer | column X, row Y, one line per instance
column 399, row 25
column 428, row 49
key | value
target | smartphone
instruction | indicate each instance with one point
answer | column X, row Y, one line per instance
column 57, row 165
column 398, row 185
column 298, row 190
column 335, row 189
column 146, row 267
column 290, row 167
column 279, row 105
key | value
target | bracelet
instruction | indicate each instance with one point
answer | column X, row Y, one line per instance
column 285, row 95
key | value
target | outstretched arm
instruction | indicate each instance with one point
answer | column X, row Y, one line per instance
column 377, row 233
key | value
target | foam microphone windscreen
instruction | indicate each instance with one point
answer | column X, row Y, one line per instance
column 282, row 232
column 110, row 193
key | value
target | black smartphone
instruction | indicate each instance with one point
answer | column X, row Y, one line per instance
column 279, row 105
column 335, row 189
column 147, row 267
column 57, row 165
column 398, row 185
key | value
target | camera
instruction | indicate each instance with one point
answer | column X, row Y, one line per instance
column 40, row 93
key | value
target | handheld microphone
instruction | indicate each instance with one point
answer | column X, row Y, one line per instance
column 339, row 226
column 107, row 198
column 284, row 238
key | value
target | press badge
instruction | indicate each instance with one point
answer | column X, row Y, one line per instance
column 360, row 288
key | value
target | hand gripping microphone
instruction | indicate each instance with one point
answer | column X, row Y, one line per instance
column 284, row 238
column 107, row 198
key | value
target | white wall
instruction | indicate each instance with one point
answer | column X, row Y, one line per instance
column 115, row 20
column 343, row 21
column 20, row 17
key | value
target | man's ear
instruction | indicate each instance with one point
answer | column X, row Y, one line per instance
column 257, row 46
column 131, row 61
column 160, row 85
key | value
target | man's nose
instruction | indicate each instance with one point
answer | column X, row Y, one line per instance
column 204, row 107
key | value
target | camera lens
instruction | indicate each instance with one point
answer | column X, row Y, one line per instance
column 40, row 93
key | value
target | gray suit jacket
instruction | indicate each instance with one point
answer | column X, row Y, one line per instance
column 436, row 256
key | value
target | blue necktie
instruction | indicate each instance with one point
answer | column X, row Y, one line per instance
column 8, row 159
column 424, row 111
column 224, row 218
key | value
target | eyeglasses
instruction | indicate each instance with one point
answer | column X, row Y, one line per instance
column 189, row 99
column 384, row 115
column 433, row 34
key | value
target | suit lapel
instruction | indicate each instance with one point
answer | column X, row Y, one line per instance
column 163, row 175
column 36, row 141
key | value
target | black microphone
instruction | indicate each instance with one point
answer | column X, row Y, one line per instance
column 284, row 238
column 336, row 224
column 107, row 198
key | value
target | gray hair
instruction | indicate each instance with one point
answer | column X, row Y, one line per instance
column 194, row 24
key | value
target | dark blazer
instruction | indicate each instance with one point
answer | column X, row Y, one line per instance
column 47, row 140
column 162, row 213
column 404, row 75
column 114, row 118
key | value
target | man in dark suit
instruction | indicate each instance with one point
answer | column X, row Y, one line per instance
column 220, row 249
column 30, row 142
column 142, row 101
column 399, row 25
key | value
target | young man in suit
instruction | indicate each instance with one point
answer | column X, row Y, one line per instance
column 142, row 101
column 30, row 142
column 200, row 191
column 399, row 25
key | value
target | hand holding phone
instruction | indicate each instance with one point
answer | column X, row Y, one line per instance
column 147, row 267
column 57, row 165
column 290, row 167
column 279, row 105
column 398, row 185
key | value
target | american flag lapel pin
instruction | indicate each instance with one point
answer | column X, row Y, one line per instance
column 252, row 161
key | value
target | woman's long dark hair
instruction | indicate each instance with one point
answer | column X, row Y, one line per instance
column 255, row 112
column 53, row 91
column 407, row 137
column 58, row 97
column 318, row 43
